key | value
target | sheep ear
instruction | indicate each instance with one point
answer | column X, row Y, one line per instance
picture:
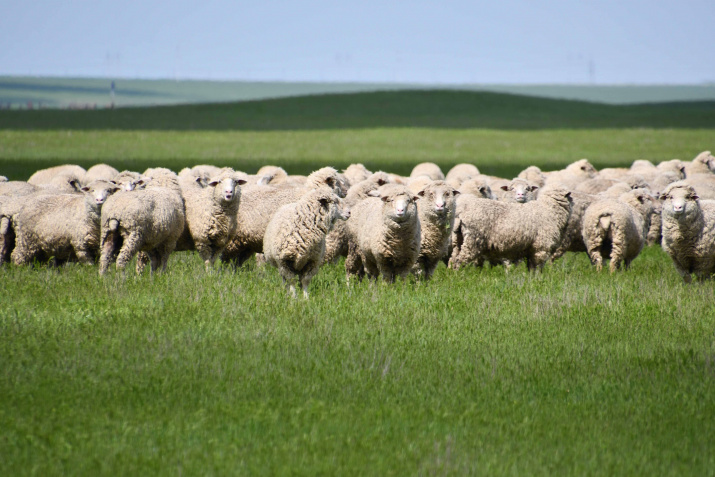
column 416, row 197
column 641, row 199
column 115, row 189
column 663, row 197
column 84, row 189
column 373, row 193
column 76, row 185
column 695, row 197
column 381, row 182
column 325, row 201
column 534, row 188
column 456, row 192
column 199, row 180
column 213, row 183
column 330, row 181
column 264, row 180
column 420, row 194
column 568, row 194
column 239, row 180
column 504, row 187
column 384, row 198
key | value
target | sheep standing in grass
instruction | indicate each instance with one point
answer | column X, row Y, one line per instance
column 573, row 238
column 689, row 231
column 211, row 213
column 259, row 203
column 384, row 234
column 58, row 175
column 336, row 243
column 60, row 226
column 147, row 220
column 501, row 232
column 617, row 229
column 294, row 241
column 436, row 208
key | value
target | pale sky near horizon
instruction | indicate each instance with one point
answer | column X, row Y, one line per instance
column 510, row 41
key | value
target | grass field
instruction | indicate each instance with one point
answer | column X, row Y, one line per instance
column 484, row 372
column 59, row 92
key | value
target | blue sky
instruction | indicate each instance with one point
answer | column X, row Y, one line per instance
column 510, row 41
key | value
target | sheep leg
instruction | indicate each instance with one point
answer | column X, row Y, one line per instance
column 537, row 260
column 84, row 255
column 617, row 249
column 353, row 264
column 130, row 247
column 7, row 243
column 163, row 252
column 304, row 282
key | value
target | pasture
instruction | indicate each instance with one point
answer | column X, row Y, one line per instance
column 567, row 372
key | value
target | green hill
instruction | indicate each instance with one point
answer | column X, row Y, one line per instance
column 395, row 109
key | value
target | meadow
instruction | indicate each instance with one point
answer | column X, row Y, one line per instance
column 483, row 372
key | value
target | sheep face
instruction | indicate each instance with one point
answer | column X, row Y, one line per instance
column 439, row 198
column 225, row 189
column 680, row 201
column 399, row 207
column 522, row 190
column 583, row 168
column 97, row 192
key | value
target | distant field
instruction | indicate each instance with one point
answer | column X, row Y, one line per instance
column 478, row 372
column 90, row 92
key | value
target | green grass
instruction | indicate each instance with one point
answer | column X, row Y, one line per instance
column 568, row 372
column 400, row 109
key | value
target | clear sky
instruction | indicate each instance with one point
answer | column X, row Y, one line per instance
column 463, row 41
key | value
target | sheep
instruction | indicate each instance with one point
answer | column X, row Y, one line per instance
column 461, row 173
column 259, row 203
column 663, row 179
column 704, row 163
column 573, row 174
column 534, row 175
column 294, row 241
column 654, row 235
column 356, row 173
column 384, row 234
column 98, row 172
column 418, row 183
column 503, row 232
column 429, row 169
column 336, row 243
column 704, row 185
column 3, row 179
column 573, row 239
column 272, row 175
column 145, row 220
column 478, row 187
column 50, row 175
column 436, row 209
column 674, row 165
column 211, row 213
column 128, row 180
column 517, row 190
column 9, row 206
column 17, row 188
column 60, row 226
column 617, row 229
column 689, row 231
column 614, row 173
column 595, row 185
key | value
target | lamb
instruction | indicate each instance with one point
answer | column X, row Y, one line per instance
column 99, row 172
column 689, row 231
column 336, row 243
column 259, row 203
column 384, row 234
column 60, row 226
column 436, row 209
column 148, row 220
column 58, row 175
column 617, row 229
column 704, row 163
column 356, row 173
column 502, row 232
column 573, row 174
column 517, row 190
column 211, row 213
column 429, row 169
column 294, row 241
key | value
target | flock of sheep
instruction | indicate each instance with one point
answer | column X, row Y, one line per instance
column 383, row 224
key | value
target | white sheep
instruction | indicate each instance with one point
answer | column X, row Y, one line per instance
column 689, row 231
column 429, row 169
column 502, row 232
column 356, row 173
column 58, row 175
column 145, row 220
column 99, row 172
column 294, row 241
column 61, row 227
column 436, row 209
column 460, row 173
column 384, row 234
column 517, row 190
column 259, row 203
column 704, row 163
column 617, row 229
column 211, row 212
column 573, row 174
